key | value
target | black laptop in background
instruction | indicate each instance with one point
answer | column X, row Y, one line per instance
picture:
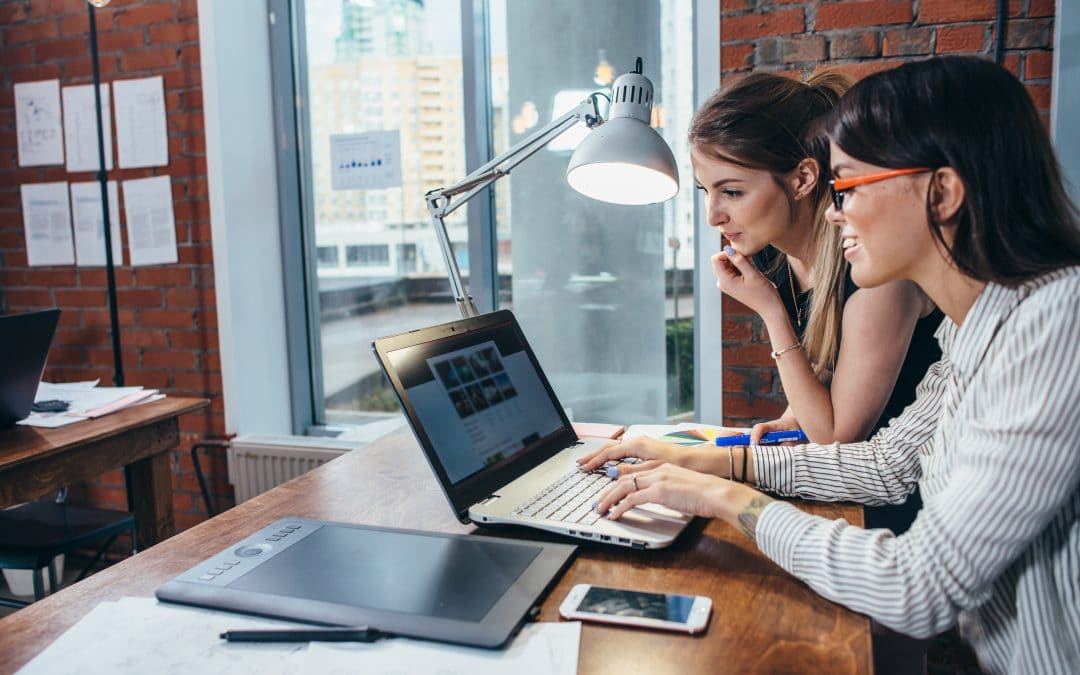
column 24, row 345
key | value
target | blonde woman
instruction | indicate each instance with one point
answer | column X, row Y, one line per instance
column 849, row 358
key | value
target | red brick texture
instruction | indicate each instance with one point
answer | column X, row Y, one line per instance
column 167, row 313
column 858, row 37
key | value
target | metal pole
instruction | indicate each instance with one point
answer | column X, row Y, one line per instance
column 102, row 176
column 110, row 271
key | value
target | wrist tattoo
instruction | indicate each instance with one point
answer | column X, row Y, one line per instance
column 748, row 517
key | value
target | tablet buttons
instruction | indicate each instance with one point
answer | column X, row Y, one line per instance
column 249, row 551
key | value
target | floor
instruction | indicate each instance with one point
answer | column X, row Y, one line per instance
column 72, row 567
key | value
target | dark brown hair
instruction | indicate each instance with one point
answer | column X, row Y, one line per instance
column 1016, row 221
column 767, row 122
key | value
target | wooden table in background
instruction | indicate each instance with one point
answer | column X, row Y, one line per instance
column 36, row 461
column 764, row 620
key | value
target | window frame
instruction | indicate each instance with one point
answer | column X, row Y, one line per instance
column 296, row 203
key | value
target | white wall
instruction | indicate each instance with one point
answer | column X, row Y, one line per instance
column 1065, row 98
column 241, row 166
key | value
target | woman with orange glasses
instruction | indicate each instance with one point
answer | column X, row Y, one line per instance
column 848, row 358
column 943, row 176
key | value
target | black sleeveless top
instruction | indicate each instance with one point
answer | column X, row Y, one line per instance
column 923, row 351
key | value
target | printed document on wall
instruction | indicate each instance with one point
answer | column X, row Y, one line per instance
column 148, row 208
column 141, row 136
column 38, row 124
column 86, row 212
column 367, row 161
column 80, row 128
column 47, row 223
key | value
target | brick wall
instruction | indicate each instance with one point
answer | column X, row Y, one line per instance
column 168, row 313
column 859, row 37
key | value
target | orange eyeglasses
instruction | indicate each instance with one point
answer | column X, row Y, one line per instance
column 841, row 185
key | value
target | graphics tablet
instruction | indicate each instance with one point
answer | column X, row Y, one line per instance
column 471, row 590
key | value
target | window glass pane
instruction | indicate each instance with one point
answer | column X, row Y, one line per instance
column 604, row 292
column 379, row 66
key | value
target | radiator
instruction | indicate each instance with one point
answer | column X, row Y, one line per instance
column 257, row 463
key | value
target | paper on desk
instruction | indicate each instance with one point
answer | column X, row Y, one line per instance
column 80, row 128
column 47, row 224
column 141, row 135
column 142, row 635
column 85, row 402
column 539, row 649
column 687, row 433
column 38, row 124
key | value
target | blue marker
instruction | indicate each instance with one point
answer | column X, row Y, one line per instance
column 796, row 435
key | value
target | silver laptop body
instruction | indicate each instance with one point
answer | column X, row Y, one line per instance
column 497, row 437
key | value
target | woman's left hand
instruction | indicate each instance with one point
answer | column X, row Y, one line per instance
column 736, row 276
column 669, row 485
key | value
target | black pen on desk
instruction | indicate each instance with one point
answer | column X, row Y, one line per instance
column 326, row 634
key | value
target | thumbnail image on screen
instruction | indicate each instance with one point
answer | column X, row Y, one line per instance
column 475, row 381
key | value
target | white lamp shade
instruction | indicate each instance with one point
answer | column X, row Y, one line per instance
column 624, row 161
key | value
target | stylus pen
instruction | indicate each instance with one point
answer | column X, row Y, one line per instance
column 796, row 435
column 329, row 634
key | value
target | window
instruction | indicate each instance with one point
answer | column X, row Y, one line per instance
column 601, row 290
column 328, row 256
column 360, row 255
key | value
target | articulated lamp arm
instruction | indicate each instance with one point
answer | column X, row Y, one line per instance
column 441, row 202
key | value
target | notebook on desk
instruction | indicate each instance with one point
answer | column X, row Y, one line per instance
column 497, row 437
column 24, row 343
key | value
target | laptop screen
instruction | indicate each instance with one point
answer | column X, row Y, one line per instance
column 478, row 395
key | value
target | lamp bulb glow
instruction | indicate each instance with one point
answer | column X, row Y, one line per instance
column 99, row 3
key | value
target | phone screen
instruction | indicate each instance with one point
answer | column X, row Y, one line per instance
column 616, row 602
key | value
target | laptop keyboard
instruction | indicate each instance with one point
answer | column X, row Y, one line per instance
column 568, row 499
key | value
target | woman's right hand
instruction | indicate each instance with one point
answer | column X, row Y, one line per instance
column 737, row 277
column 652, row 453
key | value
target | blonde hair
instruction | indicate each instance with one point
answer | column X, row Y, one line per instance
column 769, row 122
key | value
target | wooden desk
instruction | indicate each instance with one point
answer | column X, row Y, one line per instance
column 35, row 461
column 764, row 620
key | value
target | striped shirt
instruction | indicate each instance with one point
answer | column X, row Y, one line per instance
column 993, row 442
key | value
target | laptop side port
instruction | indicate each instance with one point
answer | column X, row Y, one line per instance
column 605, row 537
column 624, row 540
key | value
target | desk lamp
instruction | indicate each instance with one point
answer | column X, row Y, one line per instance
column 623, row 160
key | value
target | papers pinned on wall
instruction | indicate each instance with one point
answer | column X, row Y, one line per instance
column 87, row 214
column 47, row 224
column 80, row 128
column 367, row 161
column 148, row 205
column 141, row 135
column 38, row 124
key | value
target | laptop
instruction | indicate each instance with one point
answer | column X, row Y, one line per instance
column 24, row 343
column 498, row 439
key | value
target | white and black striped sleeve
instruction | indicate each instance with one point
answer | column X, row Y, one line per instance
column 1012, row 439
column 883, row 470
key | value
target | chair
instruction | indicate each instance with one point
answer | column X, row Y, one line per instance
column 33, row 534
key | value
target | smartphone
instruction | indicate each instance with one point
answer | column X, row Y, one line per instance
column 663, row 611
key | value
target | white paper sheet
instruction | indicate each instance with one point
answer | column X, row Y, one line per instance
column 141, row 135
column 38, row 123
column 86, row 214
column 47, row 224
column 367, row 161
column 142, row 635
column 540, row 649
column 80, row 128
column 148, row 207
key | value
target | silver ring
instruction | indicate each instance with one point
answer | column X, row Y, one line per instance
column 633, row 479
